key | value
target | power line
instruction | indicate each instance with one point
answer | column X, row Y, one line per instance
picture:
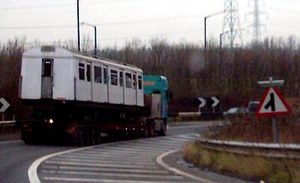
column 37, row 7
column 100, row 24
column 46, row 6
column 36, row 27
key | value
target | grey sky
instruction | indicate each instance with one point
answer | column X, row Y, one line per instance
column 121, row 20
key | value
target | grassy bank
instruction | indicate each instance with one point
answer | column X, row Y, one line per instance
column 247, row 167
column 247, row 128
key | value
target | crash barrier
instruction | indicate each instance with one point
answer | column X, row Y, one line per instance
column 7, row 125
column 270, row 150
column 188, row 116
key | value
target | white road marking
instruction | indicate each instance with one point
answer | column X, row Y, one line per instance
column 32, row 171
column 125, row 170
column 115, row 175
column 98, row 164
column 160, row 161
column 122, row 160
column 70, row 179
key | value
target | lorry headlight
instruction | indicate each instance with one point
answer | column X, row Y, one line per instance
column 51, row 121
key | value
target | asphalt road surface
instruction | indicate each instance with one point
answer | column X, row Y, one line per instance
column 16, row 158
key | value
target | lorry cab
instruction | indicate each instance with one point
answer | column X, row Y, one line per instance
column 157, row 86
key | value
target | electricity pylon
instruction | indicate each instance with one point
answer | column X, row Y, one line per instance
column 232, row 33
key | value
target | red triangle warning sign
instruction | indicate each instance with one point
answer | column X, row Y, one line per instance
column 272, row 103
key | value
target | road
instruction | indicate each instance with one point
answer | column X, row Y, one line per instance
column 16, row 157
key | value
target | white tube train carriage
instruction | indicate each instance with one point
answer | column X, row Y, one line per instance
column 76, row 97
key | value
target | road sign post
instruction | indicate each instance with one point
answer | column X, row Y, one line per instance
column 272, row 104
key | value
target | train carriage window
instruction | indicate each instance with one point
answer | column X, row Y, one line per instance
column 97, row 74
column 128, row 80
column 134, row 81
column 121, row 78
column 114, row 77
column 140, row 82
column 105, row 77
column 88, row 72
column 81, row 69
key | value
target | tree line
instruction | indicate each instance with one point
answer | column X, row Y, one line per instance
column 192, row 71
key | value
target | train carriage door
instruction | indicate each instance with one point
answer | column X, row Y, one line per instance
column 89, row 91
column 47, row 78
column 140, row 93
column 83, row 84
column 122, row 86
column 106, row 81
column 134, row 87
column 128, row 89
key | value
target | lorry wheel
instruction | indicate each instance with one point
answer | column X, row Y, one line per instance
column 164, row 128
column 149, row 129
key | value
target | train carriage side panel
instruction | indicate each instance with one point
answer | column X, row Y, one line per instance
column 63, row 79
column 133, row 88
column 31, row 78
column 42, row 76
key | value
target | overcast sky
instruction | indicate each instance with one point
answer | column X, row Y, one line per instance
column 121, row 20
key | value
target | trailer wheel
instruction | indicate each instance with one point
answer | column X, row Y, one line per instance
column 82, row 137
column 27, row 137
column 81, row 140
column 93, row 137
column 97, row 136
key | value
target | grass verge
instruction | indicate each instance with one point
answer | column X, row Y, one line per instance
column 253, row 168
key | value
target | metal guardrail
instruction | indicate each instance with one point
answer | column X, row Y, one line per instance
column 7, row 125
column 7, row 122
column 272, row 150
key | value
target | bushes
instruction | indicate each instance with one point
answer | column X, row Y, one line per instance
column 231, row 74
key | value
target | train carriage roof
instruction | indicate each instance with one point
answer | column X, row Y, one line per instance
column 59, row 52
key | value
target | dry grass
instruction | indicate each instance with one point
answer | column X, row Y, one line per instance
column 248, row 128
column 248, row 167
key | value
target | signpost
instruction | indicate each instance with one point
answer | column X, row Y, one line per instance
column 215, row 103
column 208, row 101
column 3, row 105
column 272, row 103
column 202, row 102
